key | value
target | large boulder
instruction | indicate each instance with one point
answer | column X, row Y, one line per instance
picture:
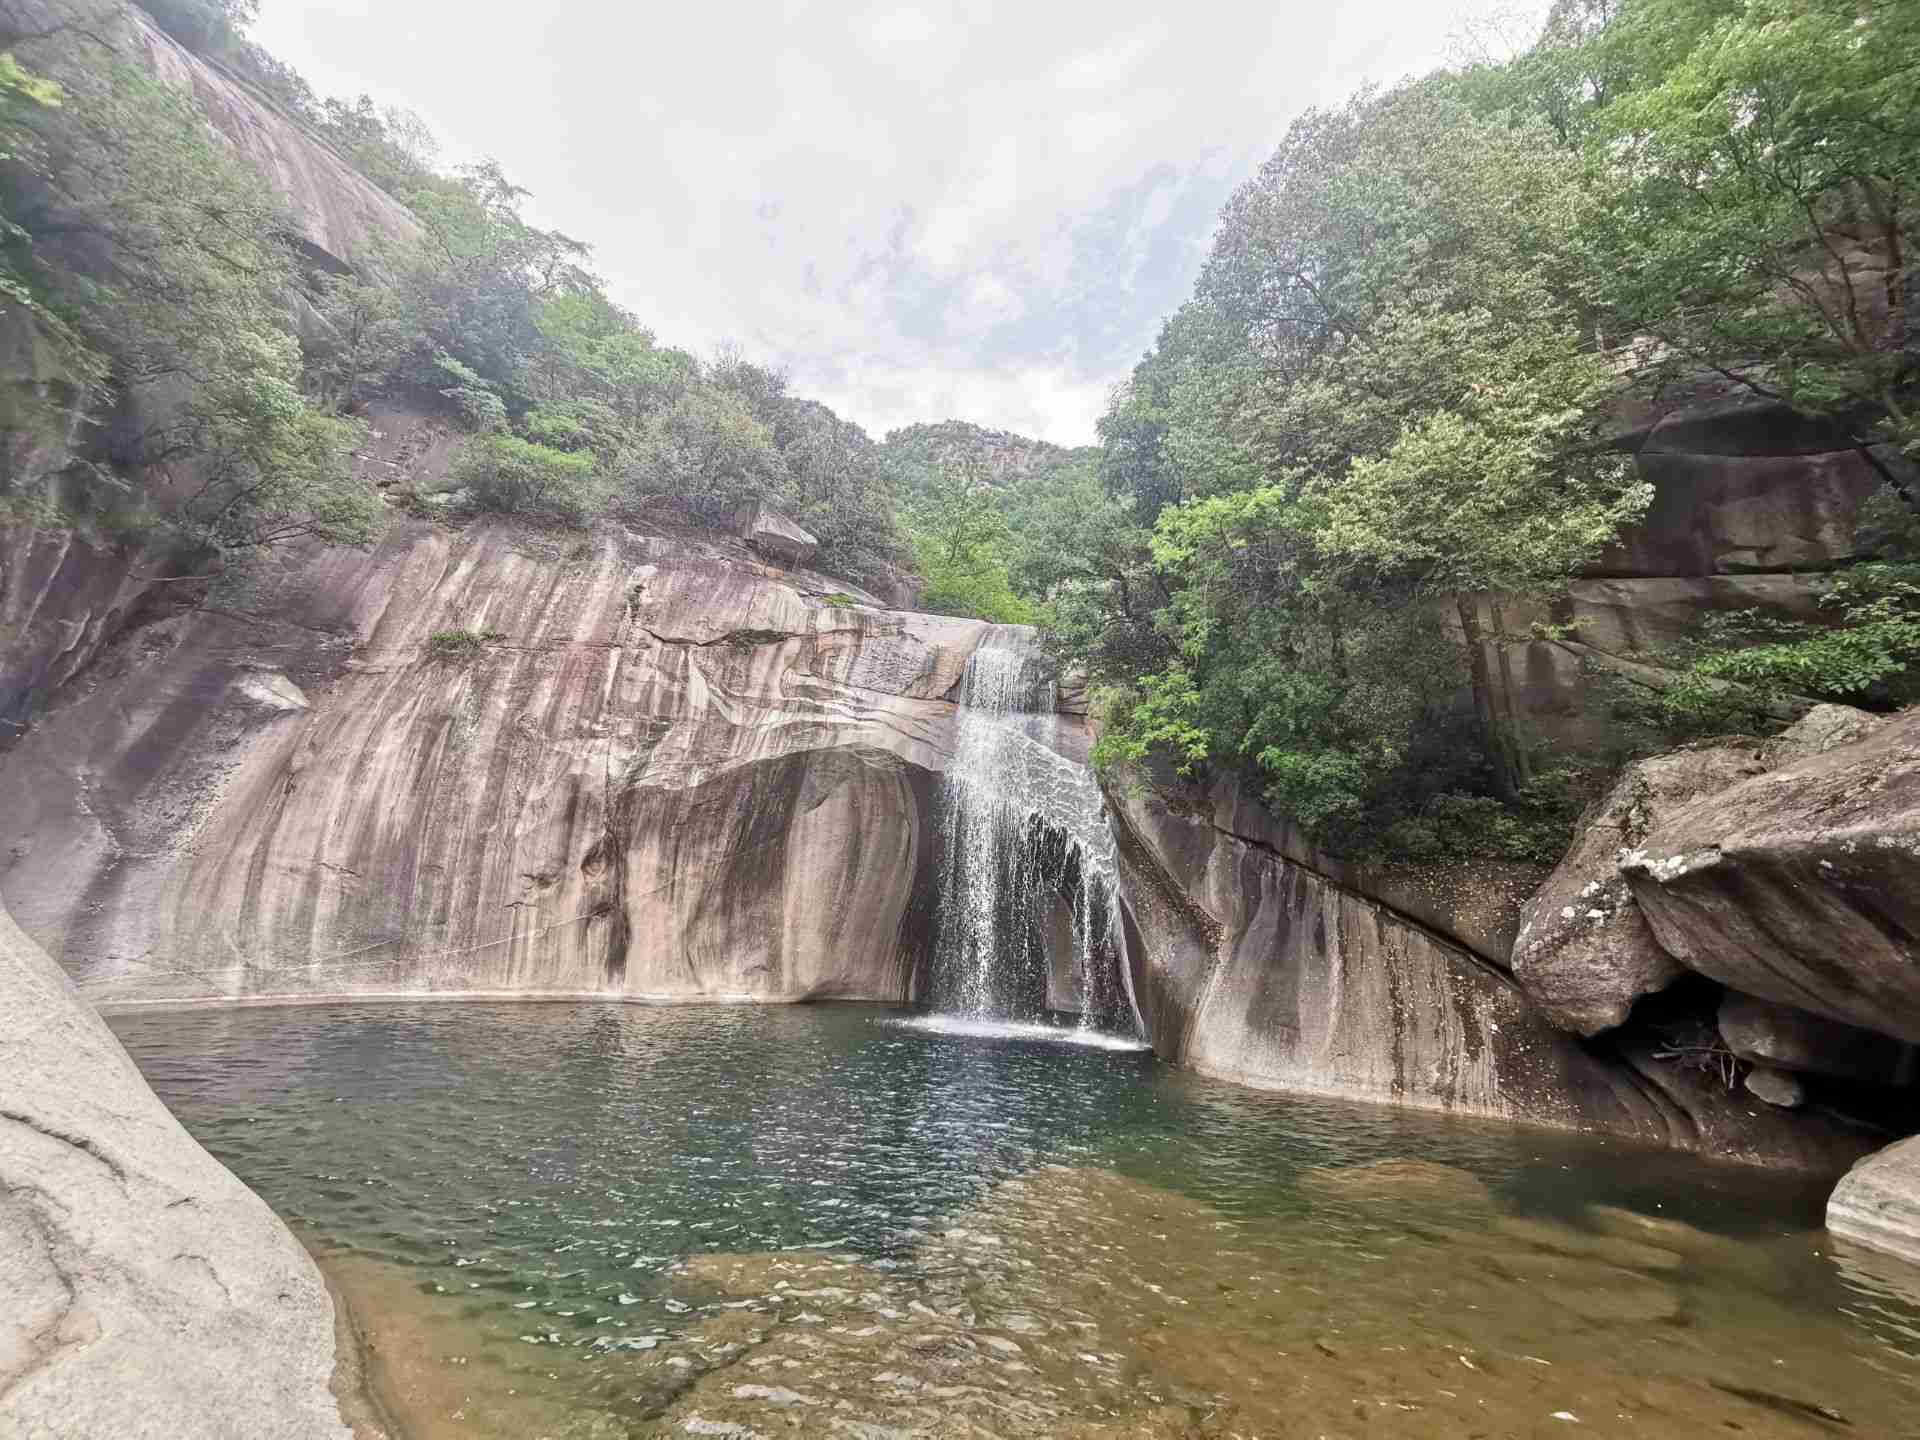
column 775, row 536
column 1720, row 514
column 1801, row 885
column 148, row 1293
column 1585, row 953
column 1877, row 1203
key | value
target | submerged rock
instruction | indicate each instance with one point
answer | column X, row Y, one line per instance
column 1399, row 1180
column 1877, row 1203
column 146, row 1290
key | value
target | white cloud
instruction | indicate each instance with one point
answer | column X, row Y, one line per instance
column 925, row 210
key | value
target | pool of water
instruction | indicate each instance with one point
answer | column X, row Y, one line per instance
column 570, row 1220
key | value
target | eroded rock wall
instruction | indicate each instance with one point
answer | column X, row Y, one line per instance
column 1253, row 967
column 1753, row 506
column 649, row 767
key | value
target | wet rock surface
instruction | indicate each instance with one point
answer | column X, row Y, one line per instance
column 1877, row 1203
column 146, row 1291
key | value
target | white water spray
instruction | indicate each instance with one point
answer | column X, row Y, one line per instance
column 1026, row 831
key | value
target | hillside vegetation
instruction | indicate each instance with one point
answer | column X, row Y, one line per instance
column 1390, row 391
column 221, row 369
column 1391, row 385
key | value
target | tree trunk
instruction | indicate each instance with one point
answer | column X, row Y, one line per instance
column 1497, row 731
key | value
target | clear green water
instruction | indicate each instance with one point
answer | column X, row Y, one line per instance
column 606, row 1220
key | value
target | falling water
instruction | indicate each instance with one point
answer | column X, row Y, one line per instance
column 1026, row 835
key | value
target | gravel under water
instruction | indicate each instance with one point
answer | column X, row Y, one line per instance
column 575, row 1220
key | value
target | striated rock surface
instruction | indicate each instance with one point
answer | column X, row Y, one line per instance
column 1802, row 885
column 64, row 598
column 1878, row 1201
column 1753, row 505
column 147, row 1291
column 1585, row 953
column 667, row 770
column 1252, row 967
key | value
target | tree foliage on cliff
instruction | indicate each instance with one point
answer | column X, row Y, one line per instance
column 135, row 232
column 1380, row 398
column 1386, row 392
column 160, row 265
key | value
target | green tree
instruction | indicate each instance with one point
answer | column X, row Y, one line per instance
column 961, row 543
column 521, row 477
column 1380, row 401
column 168, row 258
column 1759, row 164
column 707, row 456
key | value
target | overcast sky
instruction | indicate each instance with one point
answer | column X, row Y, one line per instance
column 923, row 211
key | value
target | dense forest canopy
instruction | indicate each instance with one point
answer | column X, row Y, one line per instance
column 1390, row 394
column 1392, row 386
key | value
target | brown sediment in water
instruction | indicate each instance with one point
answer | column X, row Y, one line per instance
column 1396, row 1180
column 361, row 1410
column 1081, row 1303
column 429, row 1372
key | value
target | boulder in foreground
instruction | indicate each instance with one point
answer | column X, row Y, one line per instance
column 144, row 1291
column 1877, row 1203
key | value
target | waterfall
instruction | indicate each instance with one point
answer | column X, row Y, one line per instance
column 1026, row 837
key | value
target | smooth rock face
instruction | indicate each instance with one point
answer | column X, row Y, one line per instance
column 1476, row 904
column 338, row 211
column 1878, row 1201
column 1649, row 616
column 1751, row 502
column 148, row 1294
column 1776, row 1087
column 678, row 773
column 1787, row 1039
column 62, row 599
column 1716, row 514
column 1253, row 968
column 1585, row 953
column 1802, row 885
